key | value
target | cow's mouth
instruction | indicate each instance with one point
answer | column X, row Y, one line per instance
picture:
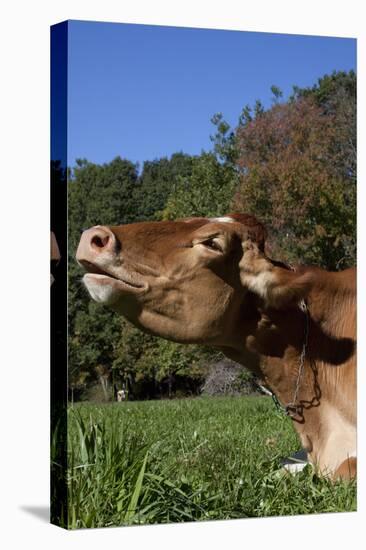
column 102, row 276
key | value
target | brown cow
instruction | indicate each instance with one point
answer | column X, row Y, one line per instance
column 209, row 281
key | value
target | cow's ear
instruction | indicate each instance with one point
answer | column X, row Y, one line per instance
column 253, row 229
column 277, row 286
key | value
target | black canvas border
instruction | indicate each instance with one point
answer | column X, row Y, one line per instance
column 59, row 317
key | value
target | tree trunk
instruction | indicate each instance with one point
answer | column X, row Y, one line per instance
column 104, row 384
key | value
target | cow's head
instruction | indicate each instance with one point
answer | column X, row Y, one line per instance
column 121, row 395
column 190, row 280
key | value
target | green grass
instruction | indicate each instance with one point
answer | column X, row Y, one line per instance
column 188, row 460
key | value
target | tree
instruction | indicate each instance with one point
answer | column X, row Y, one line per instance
column 157, row 181
column 225, row 377
column 336, row 94
column 296, row 178
column 152, row 366
column 206, row 192
column 277, row 93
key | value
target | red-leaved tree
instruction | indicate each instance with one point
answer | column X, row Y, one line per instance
column 293, row 178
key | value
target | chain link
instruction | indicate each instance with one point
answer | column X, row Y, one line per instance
column 292, row 409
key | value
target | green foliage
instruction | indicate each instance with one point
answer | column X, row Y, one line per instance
column 206, row 192
column 328, row 88
column 277, row 93
column 224, row 140
column 188, row 460
column 156, row 183
column 142, row 358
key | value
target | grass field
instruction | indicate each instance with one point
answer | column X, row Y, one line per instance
column 188, row 460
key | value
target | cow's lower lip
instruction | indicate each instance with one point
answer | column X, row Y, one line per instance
column 118, row 284
column 97, row 274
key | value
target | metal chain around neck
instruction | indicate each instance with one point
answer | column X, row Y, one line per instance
column 293, row 408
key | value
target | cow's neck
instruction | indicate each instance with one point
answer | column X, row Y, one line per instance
column 282, row 340
column 278, row 338
column 273, row 347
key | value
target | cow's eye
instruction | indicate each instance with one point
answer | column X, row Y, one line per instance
column 212, row 244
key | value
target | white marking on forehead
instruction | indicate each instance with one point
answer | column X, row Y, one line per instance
column 222, row 219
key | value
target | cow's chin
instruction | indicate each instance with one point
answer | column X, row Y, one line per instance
column 179, row 329
column 109, row 290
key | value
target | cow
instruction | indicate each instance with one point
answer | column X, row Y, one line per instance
column 119, row 395
column 209, row 281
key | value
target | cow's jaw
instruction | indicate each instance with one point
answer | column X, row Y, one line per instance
column 107, row 287
column 107, row 290
column 160, row 305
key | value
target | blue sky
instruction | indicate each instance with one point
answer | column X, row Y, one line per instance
column 143, row 92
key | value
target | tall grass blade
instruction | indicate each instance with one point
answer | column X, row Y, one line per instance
column 131, row 511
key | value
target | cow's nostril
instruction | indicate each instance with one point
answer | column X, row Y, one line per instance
column 99, row 242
